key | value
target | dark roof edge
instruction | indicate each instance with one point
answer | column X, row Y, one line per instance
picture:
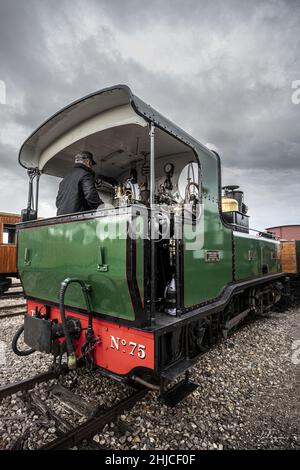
column 73, row 103
column 141, row 108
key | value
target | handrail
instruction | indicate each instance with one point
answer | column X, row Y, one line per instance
column 269, row 234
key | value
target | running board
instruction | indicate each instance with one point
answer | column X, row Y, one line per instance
column 172, row 372
column 234, row 321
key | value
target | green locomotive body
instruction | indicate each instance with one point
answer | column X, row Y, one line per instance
column 166, row 270
column 55, row 252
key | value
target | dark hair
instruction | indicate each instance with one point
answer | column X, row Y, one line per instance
column 84, row 154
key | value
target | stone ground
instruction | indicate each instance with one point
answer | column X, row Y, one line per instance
column 248, row 396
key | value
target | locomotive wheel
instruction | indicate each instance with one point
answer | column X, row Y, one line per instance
column 14, row 344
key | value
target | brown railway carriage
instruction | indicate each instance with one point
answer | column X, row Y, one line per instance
column 290, row 261
column 8, row 266
column 289, row 236
column 286, row 232
column 290, row 256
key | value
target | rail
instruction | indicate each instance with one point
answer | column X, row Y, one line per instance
column 95, row 424
column 28, row 384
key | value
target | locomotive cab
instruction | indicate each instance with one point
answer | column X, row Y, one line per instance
column 148, row 180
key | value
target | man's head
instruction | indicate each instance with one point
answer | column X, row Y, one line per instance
column 86, row 158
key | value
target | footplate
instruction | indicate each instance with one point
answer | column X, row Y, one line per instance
column 178, row 392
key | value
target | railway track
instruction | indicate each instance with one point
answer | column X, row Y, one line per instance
column 12, row 314
column 12, row 307
column 72, row 435
column 6, row 310
column 12, row 295
column 28, row 384
column 95, row 424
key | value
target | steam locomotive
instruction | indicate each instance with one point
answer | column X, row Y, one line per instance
column 143, row 286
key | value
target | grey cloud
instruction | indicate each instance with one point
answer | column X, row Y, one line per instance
column 234, row 91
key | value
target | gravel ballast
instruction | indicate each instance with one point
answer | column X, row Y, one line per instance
column 248, row 396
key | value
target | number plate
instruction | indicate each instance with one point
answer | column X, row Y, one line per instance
column 212, row 256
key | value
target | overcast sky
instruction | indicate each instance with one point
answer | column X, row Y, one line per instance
column 222, row 70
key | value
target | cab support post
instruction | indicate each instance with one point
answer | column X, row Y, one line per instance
column 31, row 212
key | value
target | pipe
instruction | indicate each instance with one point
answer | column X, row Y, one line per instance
column 37, row 192
column 152, row 225
column 152, row 166
column 187, row 190
column 14, row 344
column 145, row 383
column 30, row 191
column 178, row 277
column 72, row 362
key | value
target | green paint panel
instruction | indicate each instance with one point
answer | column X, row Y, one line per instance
column 205, row 280
column 49, row 254
column 254, row 253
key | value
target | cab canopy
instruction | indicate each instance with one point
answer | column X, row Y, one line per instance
column 113, row 124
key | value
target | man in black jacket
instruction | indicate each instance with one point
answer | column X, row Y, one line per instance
column 77, row 191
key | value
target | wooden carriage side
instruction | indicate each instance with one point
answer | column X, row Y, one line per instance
column 8, row 243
